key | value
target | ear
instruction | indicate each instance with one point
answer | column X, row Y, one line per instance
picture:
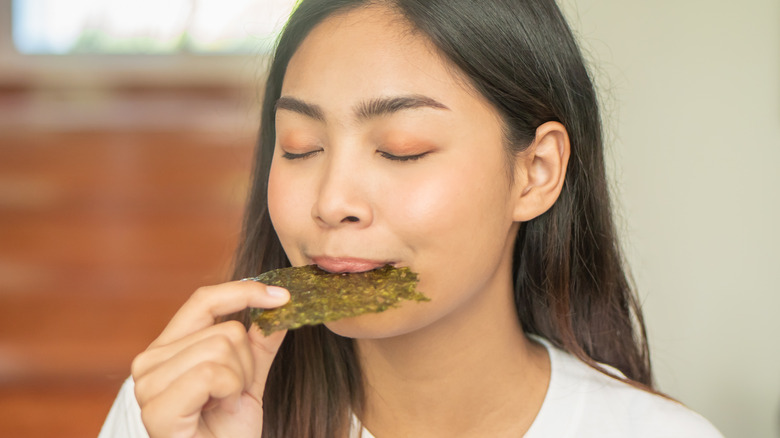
column 540, row 171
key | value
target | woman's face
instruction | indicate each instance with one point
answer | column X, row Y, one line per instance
column 384, row 155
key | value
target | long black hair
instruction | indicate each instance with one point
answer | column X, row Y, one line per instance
column 570, row 284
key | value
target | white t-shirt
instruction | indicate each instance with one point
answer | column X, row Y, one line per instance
column 580, row 402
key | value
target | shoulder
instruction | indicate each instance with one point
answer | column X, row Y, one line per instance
column 584, row 402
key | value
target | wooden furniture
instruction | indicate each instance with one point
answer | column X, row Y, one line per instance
column 104, row 232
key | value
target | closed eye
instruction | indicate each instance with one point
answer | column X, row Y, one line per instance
column 291, row 156
column 392, row 157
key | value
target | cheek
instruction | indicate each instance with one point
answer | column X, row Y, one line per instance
column 456, row 226
column 457, row 223
column 454, row 204
column 286, row 208
column 277, row 208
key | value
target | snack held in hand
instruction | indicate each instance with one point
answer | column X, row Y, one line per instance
column 318, row 296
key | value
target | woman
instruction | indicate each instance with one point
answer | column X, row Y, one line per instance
column 462, row 139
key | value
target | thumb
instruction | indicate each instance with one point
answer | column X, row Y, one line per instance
column 264, row 349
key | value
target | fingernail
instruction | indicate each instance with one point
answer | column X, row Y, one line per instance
column 249, row 279
column 276, row 292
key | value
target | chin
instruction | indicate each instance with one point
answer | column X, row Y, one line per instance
column 387, row 324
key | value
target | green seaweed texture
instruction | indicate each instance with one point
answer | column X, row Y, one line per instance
column 318, row 296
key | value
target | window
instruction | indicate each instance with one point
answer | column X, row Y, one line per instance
column 46, row 27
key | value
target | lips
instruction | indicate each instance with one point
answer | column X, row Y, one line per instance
column 338, row 265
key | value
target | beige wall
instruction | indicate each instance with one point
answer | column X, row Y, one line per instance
column 692, row 94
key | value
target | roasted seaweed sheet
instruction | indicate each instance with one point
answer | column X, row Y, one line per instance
column 318, row 296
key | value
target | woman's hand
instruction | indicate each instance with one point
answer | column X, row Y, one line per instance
column 201, row 379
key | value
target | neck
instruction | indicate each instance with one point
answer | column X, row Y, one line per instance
column 473, row 373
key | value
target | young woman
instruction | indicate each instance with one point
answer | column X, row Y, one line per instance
column 462, row 139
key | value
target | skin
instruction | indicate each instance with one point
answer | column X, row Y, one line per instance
column 201, row 379
column 459, row 365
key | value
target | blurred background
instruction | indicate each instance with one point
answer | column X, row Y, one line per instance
column 126, row 130
column 691, row 92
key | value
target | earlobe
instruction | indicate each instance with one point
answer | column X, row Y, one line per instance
column 541, row 171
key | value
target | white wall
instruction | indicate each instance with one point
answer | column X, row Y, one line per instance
column 692, row 97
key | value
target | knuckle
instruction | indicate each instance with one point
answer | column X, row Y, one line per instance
column 220, row 376
column 208, row 371
column 138, row 366
column 221, row 345
column 231, row 382
column 141, row 391
column 235, row 383
column 235, row 331
column 201, row 294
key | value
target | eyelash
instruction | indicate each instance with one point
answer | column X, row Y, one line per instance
column 389, row 156
column 291, row 156
column 402, row 157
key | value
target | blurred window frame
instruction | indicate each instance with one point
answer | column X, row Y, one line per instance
column 185, row 70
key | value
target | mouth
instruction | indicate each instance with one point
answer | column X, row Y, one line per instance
column 344, row 265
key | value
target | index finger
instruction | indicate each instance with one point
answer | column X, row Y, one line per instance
column 210, row 302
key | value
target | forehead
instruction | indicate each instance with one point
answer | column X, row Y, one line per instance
column 368, row 53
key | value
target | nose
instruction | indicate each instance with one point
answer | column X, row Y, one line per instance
column 344, row 197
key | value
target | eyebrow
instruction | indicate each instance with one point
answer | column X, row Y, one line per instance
column 390, row 105
column 300, row 107
column 382, row 106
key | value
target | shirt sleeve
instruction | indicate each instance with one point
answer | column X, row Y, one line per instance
column 124, row 418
